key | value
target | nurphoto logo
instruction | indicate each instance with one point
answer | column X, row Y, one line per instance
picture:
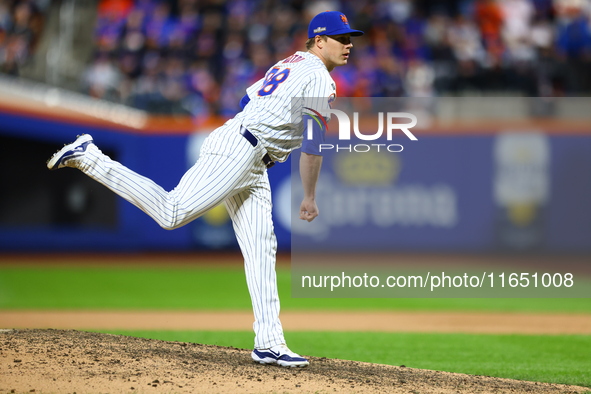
column 389, row 123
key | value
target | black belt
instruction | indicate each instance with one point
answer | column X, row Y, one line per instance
column 253, row 141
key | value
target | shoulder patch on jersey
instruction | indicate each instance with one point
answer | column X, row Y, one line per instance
column 332, row 98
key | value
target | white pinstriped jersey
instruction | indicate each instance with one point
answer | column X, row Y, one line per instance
column 269, row 114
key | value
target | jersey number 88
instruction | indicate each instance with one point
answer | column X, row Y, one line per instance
column 272, row 81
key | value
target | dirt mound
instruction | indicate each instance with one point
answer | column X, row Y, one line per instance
column 66, row 361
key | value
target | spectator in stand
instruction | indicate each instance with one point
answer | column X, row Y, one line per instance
column 489, row 17
column 102, row 79
column 111, row 16
column 145, row 93
column 464, row 37
column 158, row 26
column 518, row 16
column 573, row 43
column 203, row 89
column 21, row 23
column 441, row 55
column 549, row 72
column 5, row 16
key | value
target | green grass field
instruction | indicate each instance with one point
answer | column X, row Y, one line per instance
column 544, row 358
column 182, row 288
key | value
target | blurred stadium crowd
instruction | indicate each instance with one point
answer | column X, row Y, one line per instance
column 21, row 25
column 197, row 56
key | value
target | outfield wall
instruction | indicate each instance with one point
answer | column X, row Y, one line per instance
column 518, row 191
column 459, row 188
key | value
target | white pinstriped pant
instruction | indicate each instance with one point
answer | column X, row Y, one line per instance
column 229, row 170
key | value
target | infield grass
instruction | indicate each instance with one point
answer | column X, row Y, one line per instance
column 543, row 358
column 190, row 288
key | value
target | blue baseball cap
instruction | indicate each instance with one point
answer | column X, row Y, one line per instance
column 330, row 23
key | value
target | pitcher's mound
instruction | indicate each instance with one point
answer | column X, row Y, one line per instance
column 67, row 361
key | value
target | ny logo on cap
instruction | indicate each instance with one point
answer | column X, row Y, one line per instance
column 344, row 19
